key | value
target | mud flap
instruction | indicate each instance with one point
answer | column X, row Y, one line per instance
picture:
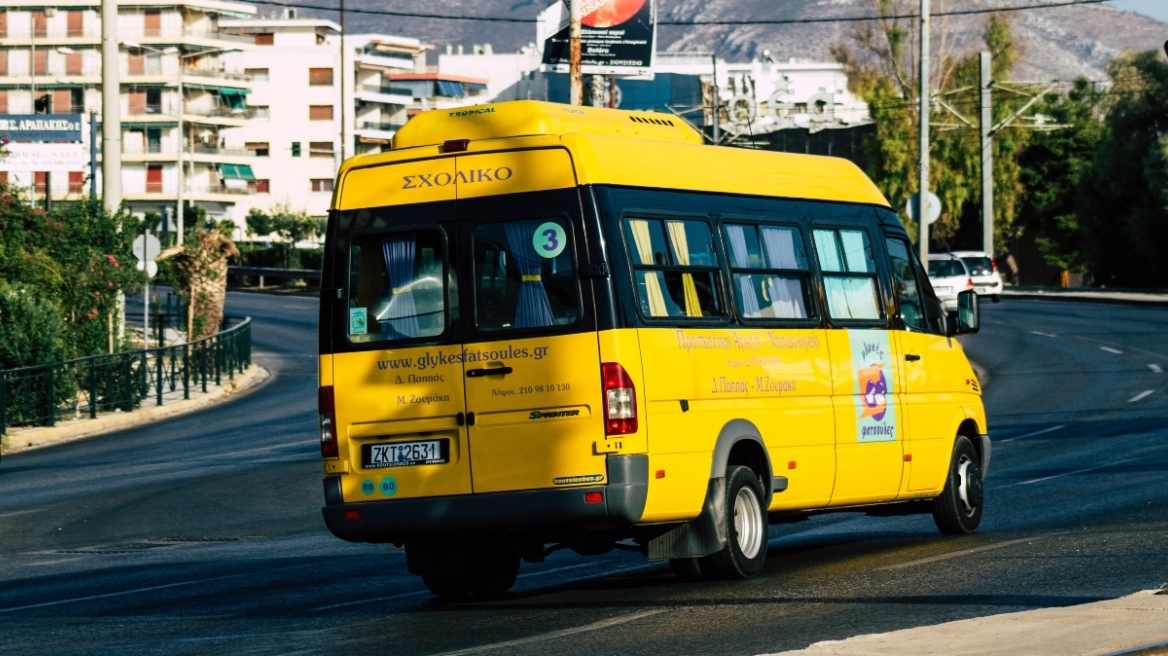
column 701, row 536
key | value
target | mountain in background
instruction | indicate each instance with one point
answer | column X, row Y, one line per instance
column 1057, row 43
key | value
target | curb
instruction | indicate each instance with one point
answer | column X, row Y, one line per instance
column 1102, row 298
column 36, row 438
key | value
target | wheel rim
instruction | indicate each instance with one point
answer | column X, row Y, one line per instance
column 968, row 485
column 747, row 522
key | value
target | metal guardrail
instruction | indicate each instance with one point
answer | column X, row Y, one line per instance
column 41, row 395
column 272, row 272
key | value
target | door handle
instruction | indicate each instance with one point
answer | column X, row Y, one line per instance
column 460, row 419
column 470, row 419
column 493, row 371
column 912, row 357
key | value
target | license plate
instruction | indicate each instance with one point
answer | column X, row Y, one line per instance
column 405, row 454
column 943, row 291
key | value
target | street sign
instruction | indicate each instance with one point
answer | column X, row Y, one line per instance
column 44, row 157
column 618, row 37
column 934, row 208
column 146, row 248
column 41, row 127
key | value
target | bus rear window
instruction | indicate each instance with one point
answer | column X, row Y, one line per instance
column 524, row 276
column 396, row 286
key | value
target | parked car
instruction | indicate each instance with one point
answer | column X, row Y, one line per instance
column 949, row 277
column 984, row 271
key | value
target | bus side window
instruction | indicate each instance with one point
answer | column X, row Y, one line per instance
column 676, row 268
column 769, row 271
column 904, row 282
column 849, row 274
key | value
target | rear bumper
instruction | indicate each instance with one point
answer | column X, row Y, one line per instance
column 393, row 521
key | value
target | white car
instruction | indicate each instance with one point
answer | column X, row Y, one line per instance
column 949, row 277
column 984, row 272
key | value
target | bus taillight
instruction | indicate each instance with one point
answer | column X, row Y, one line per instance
column 328, row 423
column 620, row 400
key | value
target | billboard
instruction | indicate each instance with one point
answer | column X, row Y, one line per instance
column 41, row 127
column 44, row 157
column 618, row 37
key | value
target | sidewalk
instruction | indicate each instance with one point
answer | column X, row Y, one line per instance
column 1151, row 298
column 23, row 439
column 1101, row 628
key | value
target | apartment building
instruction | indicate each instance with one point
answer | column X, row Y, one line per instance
column 55, row 48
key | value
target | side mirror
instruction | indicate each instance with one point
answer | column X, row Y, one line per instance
column 968, row 319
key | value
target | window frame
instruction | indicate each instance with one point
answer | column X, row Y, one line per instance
column 728, row 314
column 897, row 322
column 816, row 313
column 878, row 274
column 447, row 324
column 519, row 333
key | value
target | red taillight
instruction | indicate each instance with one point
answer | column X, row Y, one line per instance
column 620, row 400
column 328, row 423
column 455, row 145
column 969, row 283
column 593, row 497
column 994, row 265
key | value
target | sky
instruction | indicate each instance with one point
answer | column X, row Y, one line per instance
column 1155, row 8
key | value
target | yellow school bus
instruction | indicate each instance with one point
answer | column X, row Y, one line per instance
column 545, row 326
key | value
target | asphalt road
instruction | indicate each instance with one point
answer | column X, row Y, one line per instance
column 202, row 534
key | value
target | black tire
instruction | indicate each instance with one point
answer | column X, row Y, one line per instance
column 958, row 510
column 746, row 528
column 493, row 570
column 447, row 586
column 688, row 569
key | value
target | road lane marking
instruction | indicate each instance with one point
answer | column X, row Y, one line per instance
column 1042, row 334
column 21, row 512
column 1141, row 395
column 595, row 626
column 1045, row 430
column 1078, row 471
column 1156, row 368
column 1111, row 350
column 423, row 592
column 966, row 552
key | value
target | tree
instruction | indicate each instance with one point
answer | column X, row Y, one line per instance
column 1123, row 204
column 881, row 65
column 291, row 226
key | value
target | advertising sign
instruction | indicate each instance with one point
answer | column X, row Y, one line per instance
column 44, row 157
column 41, row 127
column 618, row 37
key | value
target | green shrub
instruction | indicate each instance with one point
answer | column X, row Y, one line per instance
column 32, row 330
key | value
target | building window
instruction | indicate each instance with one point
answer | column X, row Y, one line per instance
column 3, row 55
column 320, row 112
column 73, row 63
column 41, row 62
column 260, row 112
column 75, row 23
column 296, row 149
column 153, row 23
column 320, row 77
column 154, row 178
column 76, row 182
column 259, row 186
column 261, row 148
column 40, row 182
column 257, row 74
column 320, row 149
column 322, row 185
column 39, row 23
column 265, row 39
column 3, row 101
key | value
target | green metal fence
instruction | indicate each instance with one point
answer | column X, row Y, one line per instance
column 45, row 394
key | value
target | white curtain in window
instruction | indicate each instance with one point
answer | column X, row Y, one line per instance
column 851, row 298
column 786, row 292
column 736, row 235
column 856, row 251
column 828, row 251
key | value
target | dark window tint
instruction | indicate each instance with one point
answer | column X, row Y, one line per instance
column 768, row 265
column 979, row 266
column 946, row 268
column 676, row 268
column 524, row 275
column 396, row 286
column 904, row 284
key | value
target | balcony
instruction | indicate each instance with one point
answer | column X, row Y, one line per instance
column 44, row 36
column 222, row 190
column 383, row 127
column 220, row 75
column 372, row 93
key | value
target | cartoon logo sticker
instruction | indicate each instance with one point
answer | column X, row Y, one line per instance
column 874, row 389
column 358, row 321
column 389, row 486
column 549, row 239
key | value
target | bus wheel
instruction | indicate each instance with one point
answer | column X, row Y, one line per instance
column 746, row 528
column 493, row 570
column 447, row 586
column 958, row 510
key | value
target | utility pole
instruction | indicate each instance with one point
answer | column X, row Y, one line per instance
column 987, row 157
column 93, row 155
column 923, row 204
column 178, row 213
column 716, row 100
column 575, row 76
column 111, row 111
column 344, row 106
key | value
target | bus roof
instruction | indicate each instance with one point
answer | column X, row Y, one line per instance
column 609, row 146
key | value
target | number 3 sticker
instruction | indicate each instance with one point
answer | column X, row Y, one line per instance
column 549, row 240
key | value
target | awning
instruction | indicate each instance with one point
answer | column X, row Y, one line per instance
column 226, row 91
column 475, row 86
column 450, row 89
column 223, row 91
column 236, row 172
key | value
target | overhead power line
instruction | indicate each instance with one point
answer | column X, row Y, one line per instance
column 793, row 21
